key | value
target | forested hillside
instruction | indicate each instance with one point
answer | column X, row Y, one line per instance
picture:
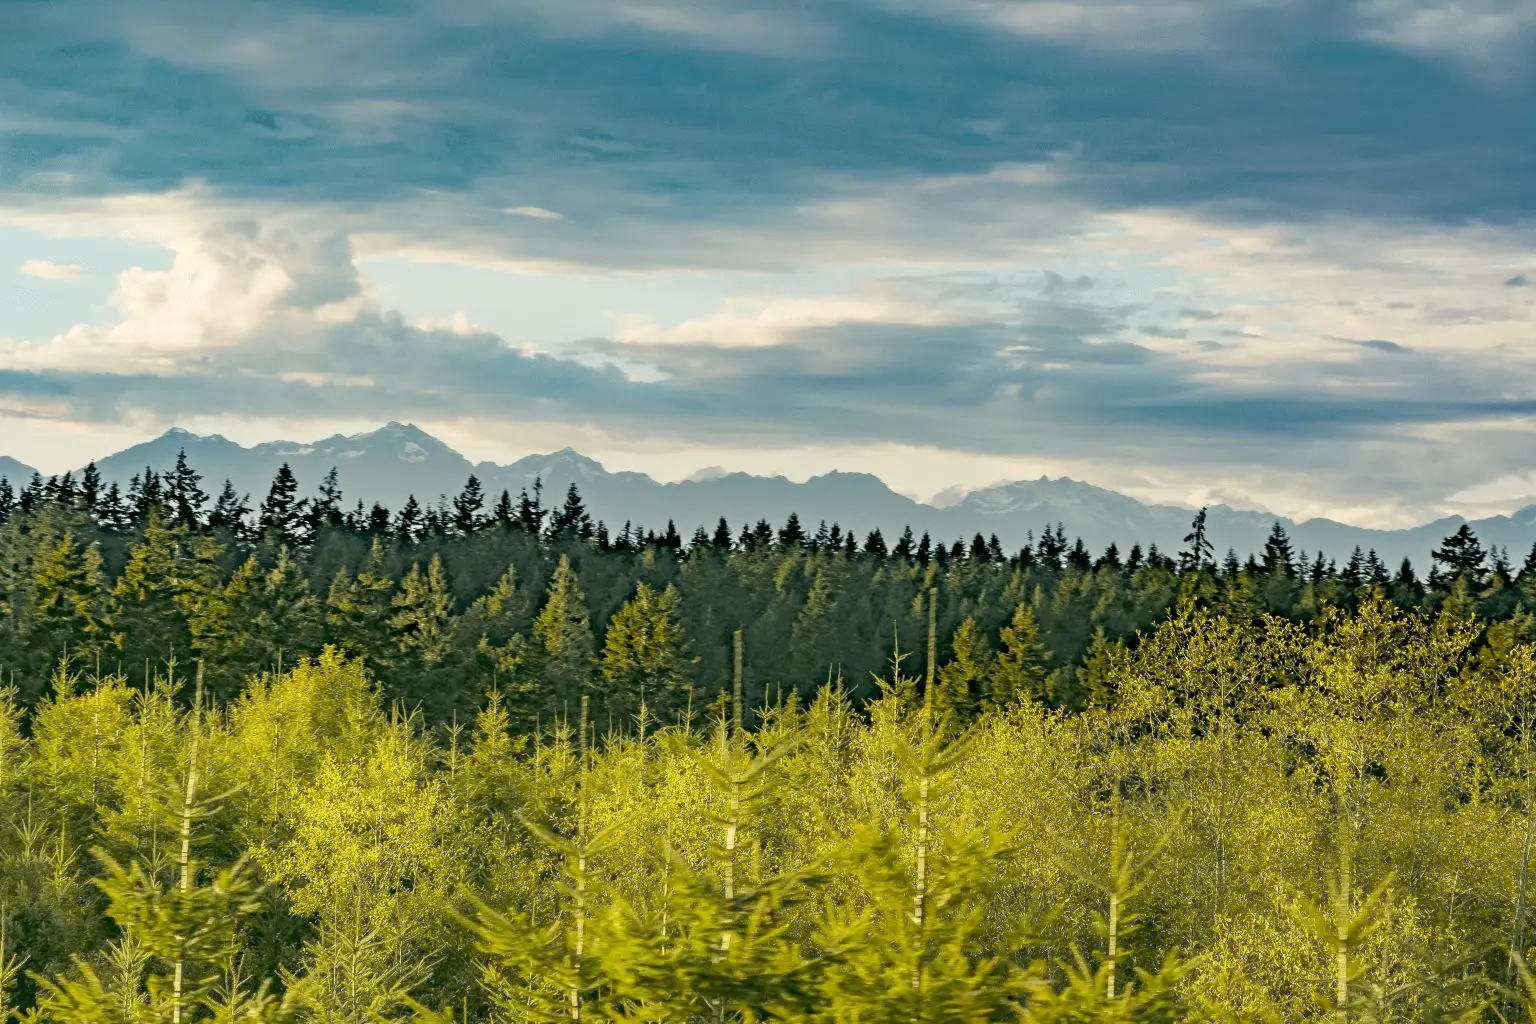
column 494, row 761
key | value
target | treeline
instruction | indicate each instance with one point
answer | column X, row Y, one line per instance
column 1261, row 820
column 448, row 601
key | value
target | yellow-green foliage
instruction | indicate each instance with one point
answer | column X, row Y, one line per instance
column 1263, row 820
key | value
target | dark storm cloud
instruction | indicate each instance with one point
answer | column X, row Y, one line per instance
column 726, row 111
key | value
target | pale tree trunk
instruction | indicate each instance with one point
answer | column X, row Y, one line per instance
column 920, row 879
column 184, row 861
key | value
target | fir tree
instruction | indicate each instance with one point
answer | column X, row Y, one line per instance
column 1020, row 671
column 467, row 507
column 282, row 511
column 563, row 638
column 645, row 660
column 185, row 494
column 1461, row 556
column 1197, row 553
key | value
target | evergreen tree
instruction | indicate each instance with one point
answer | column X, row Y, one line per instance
column 963, row 679
column 185, row 494
column 645, row 658
column 1020, row 671
column 906, row 547
column 231, row 511
column 282, row 511
column 562, row 634
column 359, row 607
column 145, row 614
column 422, row 621
column 467, row 507
column 791, row 534
column 721, row 541
column 65, row 615
column 571, row 520
column 1462, row 556
column 409, row 522
column 91, row 489
column 1278, row 558
column 531, row 511
column 504, row 514
column 324, row 512
column 874, row 543
column 1197, row 554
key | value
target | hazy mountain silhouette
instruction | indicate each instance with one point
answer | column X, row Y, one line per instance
column 400, row 459
column 18, row 473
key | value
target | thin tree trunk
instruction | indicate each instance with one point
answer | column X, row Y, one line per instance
column 580, row 946
column 1517, row 928
column 1341, row 924
column 920, row 880
column 184, row 861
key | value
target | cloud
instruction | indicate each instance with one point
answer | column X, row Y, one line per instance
column 1483, row 35
column 536, row 212
column 49, row 271
column 999, row 228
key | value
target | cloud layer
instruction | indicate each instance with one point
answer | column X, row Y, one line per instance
column 1270, row 251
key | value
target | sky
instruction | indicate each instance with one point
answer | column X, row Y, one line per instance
column 1272, row 253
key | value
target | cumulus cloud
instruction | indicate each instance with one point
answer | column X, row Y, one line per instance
column 49, row 271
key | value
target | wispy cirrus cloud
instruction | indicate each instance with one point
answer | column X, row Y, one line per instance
column 50, row 271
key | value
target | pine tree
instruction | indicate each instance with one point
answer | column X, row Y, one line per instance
column 467, row 506
column 1462, row 557
column 645, row 658
column 184, row 492
column 562, row 635
column 1020, row 671
column 358, row 608
column 1278, row 558
column 146, row 618
column 1198, row 552
column 571, row 520
column 530, row 510
column 231, row 511
column 409, row 522
column 874, row 544
column 422, row 622
column 791, row 534
column 282, row 511
column 66, row 611
column 962, row 680
column 91, row 489
column 504, row 514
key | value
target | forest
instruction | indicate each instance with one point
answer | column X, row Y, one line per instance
column 488, row 760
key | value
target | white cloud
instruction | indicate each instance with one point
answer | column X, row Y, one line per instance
column 50, row 271
column 1182, row 311
column 1168, row 26
column 1489, row 37
column 536, row 212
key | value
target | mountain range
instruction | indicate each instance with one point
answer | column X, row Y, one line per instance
column 399, row 459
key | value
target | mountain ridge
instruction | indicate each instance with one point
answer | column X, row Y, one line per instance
column 400, row 459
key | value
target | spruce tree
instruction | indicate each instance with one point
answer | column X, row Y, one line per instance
column 1020, row 670
column 282, row 511
column 185, row 494
column 562, row 634
column 646, row 660
column 467, row 506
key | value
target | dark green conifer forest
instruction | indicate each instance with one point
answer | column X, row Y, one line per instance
column 484, row 759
